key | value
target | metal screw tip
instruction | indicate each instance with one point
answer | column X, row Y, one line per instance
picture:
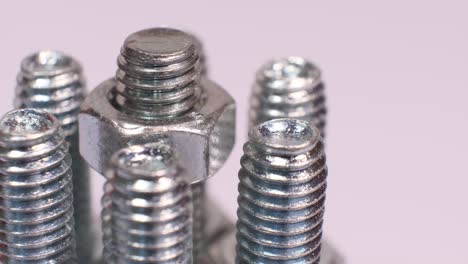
column 292, row 73
column 285, row 135
column 159, row 45
column 48, row 63
column 27, row 125
column 150, row 160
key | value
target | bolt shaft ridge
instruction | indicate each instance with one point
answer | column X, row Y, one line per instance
column 36, row 211
column 199, row 218
column 147, row 215
column 281, row 194
column 52, row 81
column 289, row 88
column 159, row 74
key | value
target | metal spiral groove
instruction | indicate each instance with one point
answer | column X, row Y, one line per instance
column 147, row 208
column 53, row 81
column 289, row 88
column 159, row 74
column 281, row 194
column 36, row 211
column 199, row 218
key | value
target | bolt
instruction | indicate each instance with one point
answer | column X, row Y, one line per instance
column 281, row 194
column 289, row 88
column 52, row 81
column 147, row 215
column 36, row 211
column 159, row 91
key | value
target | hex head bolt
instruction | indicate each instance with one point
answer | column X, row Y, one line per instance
column 53, row 81
column 147, row 208
column 36, row 210
column 159, row 91
column 281, row 194
column 289, row 88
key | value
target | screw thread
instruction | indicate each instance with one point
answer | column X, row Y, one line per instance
column 289, row 88
column 52, row 81
column 36, row 212
column 147, row 215
column 199, row 218
column 281, row 194
column 159, row 74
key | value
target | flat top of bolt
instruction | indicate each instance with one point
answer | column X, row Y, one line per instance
column 27, row 125
column 158, row 46
column 149, row 161
column 48, row 63
column 285, row 135
column 289, row 74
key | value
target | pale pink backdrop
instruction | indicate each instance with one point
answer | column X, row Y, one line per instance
column 397, row 87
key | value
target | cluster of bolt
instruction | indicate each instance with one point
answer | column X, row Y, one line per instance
column 157, row 131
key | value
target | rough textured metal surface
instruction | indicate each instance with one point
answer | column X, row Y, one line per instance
column 53, row 81
column 36, row 211
column 147, row 215
column 289, row 88
column 281, row 194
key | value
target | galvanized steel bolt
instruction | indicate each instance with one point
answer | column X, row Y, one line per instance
column 159, row 91
column 161, row 87
column 53, row 81
column 289, row 88
column 281, row 194
column 36, row 210
column 147, row 215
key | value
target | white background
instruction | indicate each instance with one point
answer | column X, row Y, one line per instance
column 397, row 93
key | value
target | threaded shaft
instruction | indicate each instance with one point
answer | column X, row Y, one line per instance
column 52, row 81
column 147, row 215
column 159, row 74
column 36, row 212
column 281, row 194
column 199, row 218
column 289, row 88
